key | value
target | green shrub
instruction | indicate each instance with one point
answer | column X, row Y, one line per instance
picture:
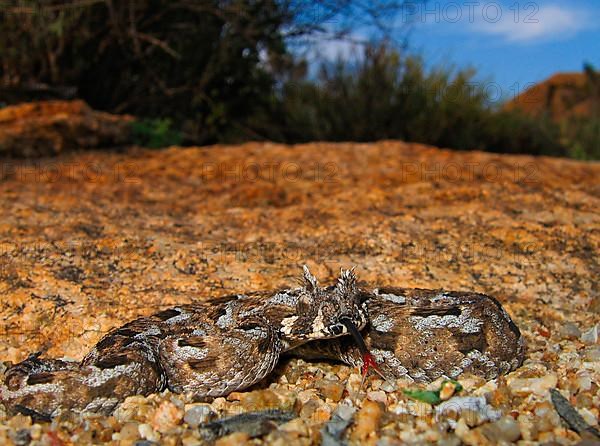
column 196, row 61
column 390, row 96
column 220, row 71
column 155, row 133
column 582, row 133
column 582, row 137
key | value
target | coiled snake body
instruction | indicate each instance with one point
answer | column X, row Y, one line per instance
column 216, row 347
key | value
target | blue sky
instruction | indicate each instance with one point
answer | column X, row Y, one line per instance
column 511, row 43
column 514, row 43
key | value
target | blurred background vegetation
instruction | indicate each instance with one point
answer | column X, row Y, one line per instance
column 209, row 71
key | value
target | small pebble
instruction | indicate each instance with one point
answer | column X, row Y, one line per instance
column 592, row 354
column 330, row 389
column 19, row 421
column 190, row 439
column 389, row 441
column 235, row 439
column 588, row 416
column 321, row 414
column 22, row 437
column 378, row 396
column 129, row 432
column 305, row 396
column 584, row 380
column 447, row 390
column 590, row 336
column 569, row 330
column 166, row 417
column 315, row 410
column 259, row 400
column 504, row 429
column 219, row 404
column 473, row 410
column 36, row 432
column 198, row 414
column 345, row 411
column 419, row 408
column 353, row 383
column 373, row 382
column 449, row 440
column 367, row 420
column 539, row 386
column 297, row 426
column 388, row 387
column 584, row 399
column 595, row 305
column 292, row 374
column 147, row 433
column 461, row 429
column 528, row 428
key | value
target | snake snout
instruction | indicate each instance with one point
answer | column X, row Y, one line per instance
column 344, row 319
column 342, row 324
column 353, row 330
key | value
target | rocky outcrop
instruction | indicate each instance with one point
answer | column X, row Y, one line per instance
column 98, row 238
column 91, row 240
column 48, row 128
column 561, row 96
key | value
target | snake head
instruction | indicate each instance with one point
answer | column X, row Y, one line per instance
column 324, row 313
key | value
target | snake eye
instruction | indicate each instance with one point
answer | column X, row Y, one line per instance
column 364, row 296
column 337, row 330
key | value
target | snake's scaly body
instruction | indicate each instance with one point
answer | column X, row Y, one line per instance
column 219, row 346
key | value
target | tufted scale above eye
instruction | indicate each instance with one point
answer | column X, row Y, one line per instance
column 346, row 282
column 310, row 282
column 310, row 286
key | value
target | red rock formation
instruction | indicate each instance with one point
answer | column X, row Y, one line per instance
column 562, row 95
column 47, row 128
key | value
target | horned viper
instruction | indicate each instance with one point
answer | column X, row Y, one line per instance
column 219, row 346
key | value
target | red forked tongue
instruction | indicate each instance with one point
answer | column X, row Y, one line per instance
column 368, row 359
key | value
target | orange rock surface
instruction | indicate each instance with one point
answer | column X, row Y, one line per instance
column 89, row 241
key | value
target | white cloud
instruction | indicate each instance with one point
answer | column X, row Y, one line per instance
column 538, row 23
column 334, row 49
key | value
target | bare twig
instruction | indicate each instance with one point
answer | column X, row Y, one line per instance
column 568, row 413
column 159, row 43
